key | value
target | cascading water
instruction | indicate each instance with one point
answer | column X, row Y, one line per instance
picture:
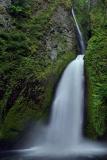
column 63, row 136
column 80, row 36
column 66, row 123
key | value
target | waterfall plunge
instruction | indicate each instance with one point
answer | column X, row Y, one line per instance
column 63, row 136
column 66, row 122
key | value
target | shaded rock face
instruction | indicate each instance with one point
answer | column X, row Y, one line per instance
column 48, row 33
column 93, row 2
column 4, row 16
column 5, row 3
column 40, row 5
column 60, row 38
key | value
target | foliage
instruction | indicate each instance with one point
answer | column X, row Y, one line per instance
column 81, row 8
column 27, row 74
column 92, row 18
column 20, row 8
column 97, row 83
column 96, row 63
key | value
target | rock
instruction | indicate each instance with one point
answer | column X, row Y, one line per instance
column 93, row 2
column 40, row 44
column 5, row 3
column 61, row 37
column 38, row 6
column 5, row 19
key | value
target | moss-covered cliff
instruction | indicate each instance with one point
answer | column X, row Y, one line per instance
column 92, row 18
column 96, row 71
column 37, row 40
column 81, row 8
column 34, row 50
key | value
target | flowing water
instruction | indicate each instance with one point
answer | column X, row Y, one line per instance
column 66, row 123
column 80, row 36
column 63, row 137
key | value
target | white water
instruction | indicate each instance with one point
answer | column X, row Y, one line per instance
column 80, row 36
column 63, row 136
column 66, row 123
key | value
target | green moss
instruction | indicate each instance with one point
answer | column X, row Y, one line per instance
column 81, row 8
column 27, row 74
column 93, row 22
column 95, row 62
column 25, row 110
column 16, row 120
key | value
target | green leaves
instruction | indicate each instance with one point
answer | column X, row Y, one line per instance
column 25, row 63
column 96, row 65
column 20, row 9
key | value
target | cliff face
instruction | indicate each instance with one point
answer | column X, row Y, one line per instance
column 5, row 19
column 96, row 63
column 5, row 3
column 92, row 17
column 33, row 53
column 93, row 2
column 37, row 40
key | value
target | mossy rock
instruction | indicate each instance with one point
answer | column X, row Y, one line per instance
column 28, row 74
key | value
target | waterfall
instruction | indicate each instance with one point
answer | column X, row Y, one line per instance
column 67, row 110
column 66, row 122
column 80, row 36
column 63, row 136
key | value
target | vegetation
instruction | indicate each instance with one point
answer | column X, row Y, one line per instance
column 81, row 8
column 92, row 18
column 27, row 73
column 96, row 64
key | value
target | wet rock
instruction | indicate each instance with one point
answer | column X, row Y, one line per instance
column 61, row 36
